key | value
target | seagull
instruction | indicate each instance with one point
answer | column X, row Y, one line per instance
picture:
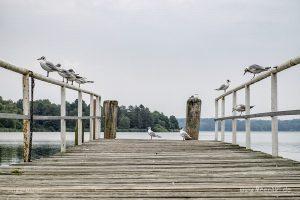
column 81, row 80
column 255, row 69
column 224, row 86
column 48, row 66
column 184, row 135
column 240, row 108
column 73, row 75
column 64, row 73
column 152, row 134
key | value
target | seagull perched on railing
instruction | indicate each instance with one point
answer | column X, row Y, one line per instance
column 224, row 86
column 64, row 73
column 48, row 66
column 240, row 108
column 73, row 75
column 152, row 134
column 255, row 69
column 185, row 135
column 81, row 80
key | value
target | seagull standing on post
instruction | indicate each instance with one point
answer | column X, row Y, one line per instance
column 48, row 66
column 152, row 134
column 255, row 69
column 184, row 135
column 224, row 86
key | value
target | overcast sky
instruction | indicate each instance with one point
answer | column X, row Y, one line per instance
column 154, row 52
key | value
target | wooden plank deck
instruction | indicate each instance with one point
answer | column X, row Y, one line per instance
column 157, row 169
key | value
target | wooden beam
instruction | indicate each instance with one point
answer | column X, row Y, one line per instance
column 247, row 123
column 98, row 121
column 274, row 108
column 223, row 121
column 216, row 122
column 91, row 115
column 234, row 122
column 79, row 120
column 63, row 142
column 26, row 122
column 265, row 114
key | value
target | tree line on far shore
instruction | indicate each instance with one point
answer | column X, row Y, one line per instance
column 133, row 118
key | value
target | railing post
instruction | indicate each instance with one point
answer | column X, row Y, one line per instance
column 98, row 113
column 247, row 121
column 234, row 121
column 91, row 115
column 79, row 121
column 216, row 122
column 26, row 122
column 63, row 121
column 223, row 121
column 274, row 108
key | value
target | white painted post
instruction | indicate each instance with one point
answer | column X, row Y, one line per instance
column 91, row 115
column 63, row 142
column 274, row 108
column 216, row 122
column 247, row 121
column 98, row 113
column 79, row 121
column 26, row 122
column 234, row 121
column 223, row 121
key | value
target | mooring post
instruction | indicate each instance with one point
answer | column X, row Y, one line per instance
column 26, row 122
column 63, row 121
column 193, row 111
column 234, row 121
column 223, row 121
column 274, row 108
column 79, row 121
column 110, row 119
column 216, row 122
column 91, row 115
column 98, row 119
column 247, row 121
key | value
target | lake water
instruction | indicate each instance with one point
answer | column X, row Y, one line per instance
column 46, row 144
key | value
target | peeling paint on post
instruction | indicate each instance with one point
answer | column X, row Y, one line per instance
column 193, row 110
column 110, row 119
column 26, row 122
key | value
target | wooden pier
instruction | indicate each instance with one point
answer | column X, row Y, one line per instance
column 157, row 169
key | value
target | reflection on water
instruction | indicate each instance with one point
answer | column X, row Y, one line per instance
column 46, row 144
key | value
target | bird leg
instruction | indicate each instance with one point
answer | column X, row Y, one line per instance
column 63, row 79
column 72, row 82
column 47, row 74
column 151, row 137
column 253, row 76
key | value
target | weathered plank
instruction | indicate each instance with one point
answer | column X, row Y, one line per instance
column 157, row 169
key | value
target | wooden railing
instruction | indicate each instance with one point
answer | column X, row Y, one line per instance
column 94, row 117
column 274, row 107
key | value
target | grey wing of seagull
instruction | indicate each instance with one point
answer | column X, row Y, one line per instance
column 255, row 66
column 222, row 87
column 50, row 65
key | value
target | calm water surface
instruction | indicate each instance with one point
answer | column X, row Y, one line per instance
column 46, row 144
